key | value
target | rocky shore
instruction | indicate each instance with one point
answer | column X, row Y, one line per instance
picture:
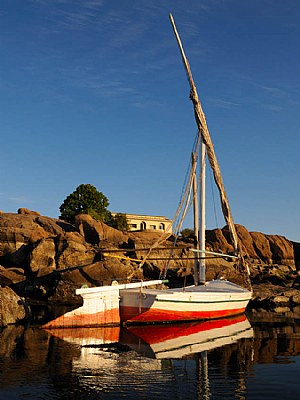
column 44, row 260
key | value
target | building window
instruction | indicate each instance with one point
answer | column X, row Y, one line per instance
column 143, row 226
column 133, row 226
column 152, row 227
column 162, row 226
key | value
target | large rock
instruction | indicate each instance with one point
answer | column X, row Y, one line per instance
column 9, row 276
column 42, row 257
column 246, row 240
column 12, row 307
column 218, row 242
column 95, row 232
column 26, row 211
column 53, row 226
column 19, row 233
column 262, row 247
column 267, row 295
column 72, row 250
column 255, row 246
column 282, row 250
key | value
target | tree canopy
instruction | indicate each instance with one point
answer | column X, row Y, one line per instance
column 85, row 200
column 120, row 222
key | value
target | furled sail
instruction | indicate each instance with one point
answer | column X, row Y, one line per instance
column 203, row 129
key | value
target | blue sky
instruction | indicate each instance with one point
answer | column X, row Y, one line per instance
column 94, row 91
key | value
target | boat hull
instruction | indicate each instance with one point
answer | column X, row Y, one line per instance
column 81, row 317
column 218, row 300
column 100, row 307
column 134, row 303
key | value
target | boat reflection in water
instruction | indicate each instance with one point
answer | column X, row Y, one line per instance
column 180, row 340
column 163, row 340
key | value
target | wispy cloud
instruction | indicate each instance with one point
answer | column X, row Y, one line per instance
column 276, row 98
column 72, row 14
column 221, row 103
column 267, row 95
column 270, row 89
column 107, row 89
column 19, row 199
column 15, row 199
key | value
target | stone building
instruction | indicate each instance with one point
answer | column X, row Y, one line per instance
column 138, row 222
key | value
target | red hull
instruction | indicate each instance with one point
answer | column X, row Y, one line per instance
column 136, row 314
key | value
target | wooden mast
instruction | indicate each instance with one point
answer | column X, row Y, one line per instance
column 203, row 129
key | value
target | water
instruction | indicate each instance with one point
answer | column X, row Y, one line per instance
column 225, row 359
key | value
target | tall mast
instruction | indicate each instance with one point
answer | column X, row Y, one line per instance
column 203, row 129
column 196, row 217
column 202, row 271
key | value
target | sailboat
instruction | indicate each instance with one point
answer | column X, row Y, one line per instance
column 135, row 302
column 203, row 300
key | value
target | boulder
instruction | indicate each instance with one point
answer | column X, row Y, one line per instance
column 262, row 247
column 17, row 233
column 218, row 242
column 282, row 250
column 95, row 232
column 295, row 298
column 25, row 211
column 42, row 257
column 54, row 227
column 279, row 300
column 271, row 296
column 72, row 251
column 12, row 307
column 102, row 273
column 140, row 242
column 9, row 276
column 246, row 241
column 20, row 230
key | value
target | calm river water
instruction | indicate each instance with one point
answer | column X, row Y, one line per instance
column 242, row 358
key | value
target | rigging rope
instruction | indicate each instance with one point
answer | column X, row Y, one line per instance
column 213, row 198
column 180, row 214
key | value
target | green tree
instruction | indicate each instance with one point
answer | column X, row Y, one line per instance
column 85, row 200
column 120, row 222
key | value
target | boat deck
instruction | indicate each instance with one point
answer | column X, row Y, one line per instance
column 217, row 285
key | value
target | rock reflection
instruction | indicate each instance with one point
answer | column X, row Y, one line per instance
column 22, row 353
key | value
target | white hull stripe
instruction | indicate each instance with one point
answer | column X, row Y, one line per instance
column 201, row 301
